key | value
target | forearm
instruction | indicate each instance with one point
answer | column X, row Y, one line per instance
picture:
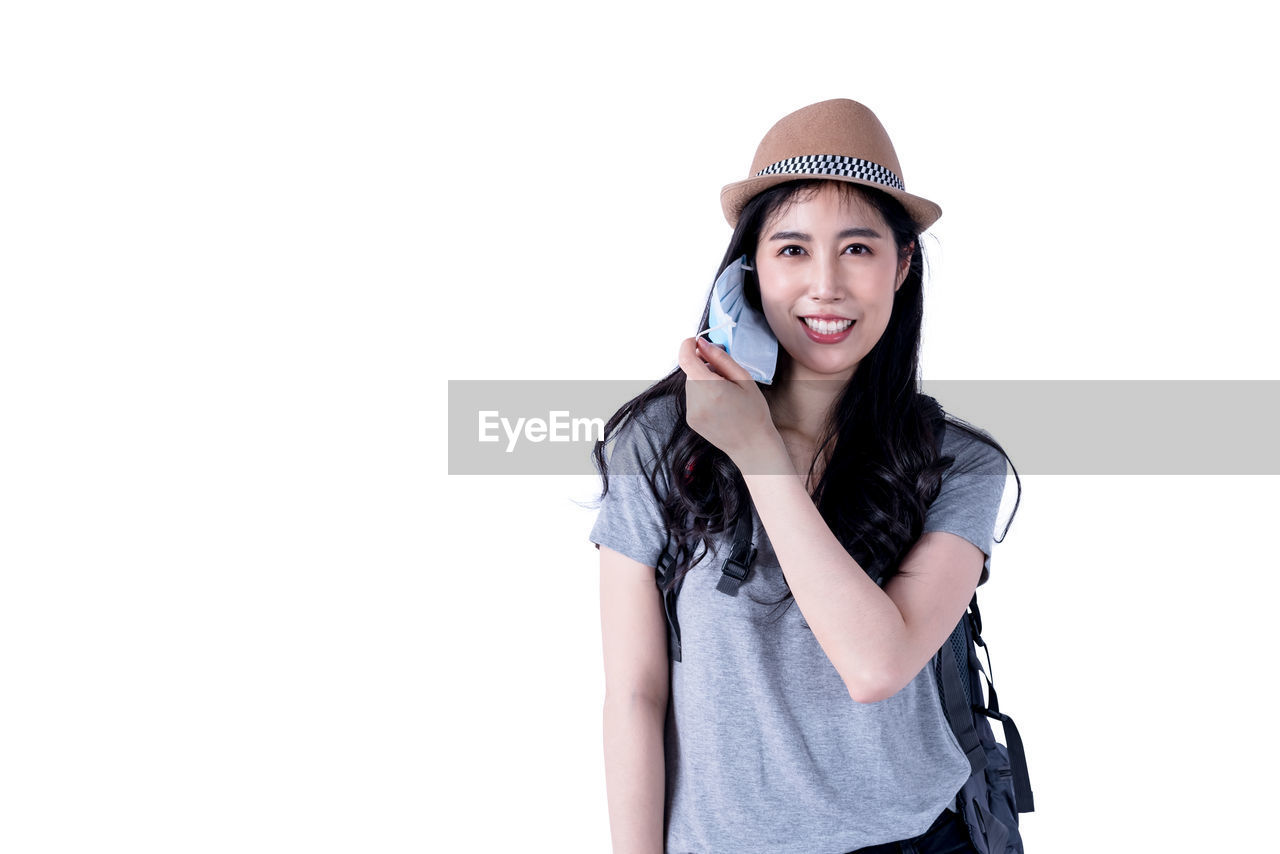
column 635, row 774
column 858, row 626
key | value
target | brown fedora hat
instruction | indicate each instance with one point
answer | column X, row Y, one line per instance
column 840, row 140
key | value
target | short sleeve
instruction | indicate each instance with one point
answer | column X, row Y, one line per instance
column 630, row 517
column 968, row 503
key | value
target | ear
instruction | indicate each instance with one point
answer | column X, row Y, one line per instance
column 904, row 265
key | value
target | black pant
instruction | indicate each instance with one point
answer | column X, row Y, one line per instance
column 947, row 835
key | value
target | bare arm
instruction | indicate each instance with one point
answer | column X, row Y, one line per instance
column 634, row 633
column 877, row 640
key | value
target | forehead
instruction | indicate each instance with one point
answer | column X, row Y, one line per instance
column 841, row 203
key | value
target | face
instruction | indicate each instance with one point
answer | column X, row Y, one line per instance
column 829, row 257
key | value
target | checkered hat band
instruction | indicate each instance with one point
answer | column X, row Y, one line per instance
column 835, row 164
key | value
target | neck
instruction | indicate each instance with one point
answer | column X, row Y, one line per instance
column 800, row 405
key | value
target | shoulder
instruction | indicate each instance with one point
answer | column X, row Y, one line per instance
column 640, row 439
column 658, row 416
column 974, row 454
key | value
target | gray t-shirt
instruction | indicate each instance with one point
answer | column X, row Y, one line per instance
column 765, row 750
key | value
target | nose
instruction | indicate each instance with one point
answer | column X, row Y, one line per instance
column 827, row 284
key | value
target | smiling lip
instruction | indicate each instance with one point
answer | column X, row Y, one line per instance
column 826, row 339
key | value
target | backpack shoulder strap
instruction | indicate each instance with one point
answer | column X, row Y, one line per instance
column 957, row 668
column 742, row 553
column 954, row 683
column 733, row 573
column 665, row 563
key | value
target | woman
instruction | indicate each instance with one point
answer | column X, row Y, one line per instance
column 818, row 728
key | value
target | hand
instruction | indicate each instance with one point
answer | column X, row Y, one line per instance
column 724, row 403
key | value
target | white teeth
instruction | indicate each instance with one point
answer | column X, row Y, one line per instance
column 827, row 327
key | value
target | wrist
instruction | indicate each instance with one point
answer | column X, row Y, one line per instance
column 767, row 455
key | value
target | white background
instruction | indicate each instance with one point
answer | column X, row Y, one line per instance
column 246, row 245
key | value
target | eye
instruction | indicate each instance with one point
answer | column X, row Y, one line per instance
column 786, row 251
column 859, row 249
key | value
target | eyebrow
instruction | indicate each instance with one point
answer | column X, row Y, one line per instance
column 848, row 232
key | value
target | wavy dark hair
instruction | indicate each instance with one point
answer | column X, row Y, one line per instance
column 884, row 469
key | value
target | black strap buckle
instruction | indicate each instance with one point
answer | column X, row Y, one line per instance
column 735, row 567
column 738, row 563
column 735, row 572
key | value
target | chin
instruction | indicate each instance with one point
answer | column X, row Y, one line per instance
column 833, row 372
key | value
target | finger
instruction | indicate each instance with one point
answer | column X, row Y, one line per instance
column 692, row 362
column 722, row 363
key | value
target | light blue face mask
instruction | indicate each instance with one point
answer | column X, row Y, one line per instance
column 739, row 328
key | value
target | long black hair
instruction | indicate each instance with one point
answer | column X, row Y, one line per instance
column 884, row 468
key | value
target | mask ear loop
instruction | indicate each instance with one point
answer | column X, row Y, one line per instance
column 728, row 324
column 746, row 265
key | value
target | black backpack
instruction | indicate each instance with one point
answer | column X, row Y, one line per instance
column 999, row 787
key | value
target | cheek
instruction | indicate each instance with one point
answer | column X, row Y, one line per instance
column 777, row 319
column 777, row 311
column 879, row 289
column 774, row 305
